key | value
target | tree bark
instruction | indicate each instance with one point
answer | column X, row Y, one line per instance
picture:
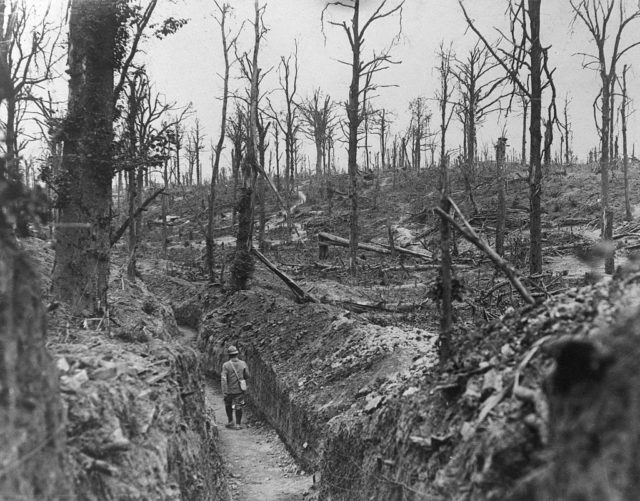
column 501, row 209
column 525, row 112
column 209, row 244
column 353, row 114
column 625, row 152
column 606, row 228
column 535, row 171
column 81, row 271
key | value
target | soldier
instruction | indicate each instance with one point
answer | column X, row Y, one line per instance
column 235, row 374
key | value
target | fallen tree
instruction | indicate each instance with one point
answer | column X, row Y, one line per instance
column 301, row 295
column 326, row 239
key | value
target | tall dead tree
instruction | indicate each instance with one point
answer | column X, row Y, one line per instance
column 228, row 41
column 418, row 128
column 501, row 210
column 81, row 270
column 360, row 68
column 599, row 17
column 624, row 114
column 529, row 78
column 237, row 133
column 565, row 127
column 477, row 83
column 196, row 146
column 242, row 268
column 30, row 48
column 147, row 128
column 524, row 100
column 446, row 112
column 381, row 124
column 178, row 140
column 288, row 119
column 318, row 115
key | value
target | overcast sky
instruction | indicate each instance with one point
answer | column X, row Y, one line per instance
column 185, row 66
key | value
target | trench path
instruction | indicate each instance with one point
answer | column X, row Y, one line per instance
column 258, row 465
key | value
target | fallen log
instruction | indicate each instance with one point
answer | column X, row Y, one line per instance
column 326, row 239
column 356, row 307
column 299, row 292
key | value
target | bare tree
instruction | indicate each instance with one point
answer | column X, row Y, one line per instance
column 381, row 124
column 288, row 120
column 530, row 79
column 478, row 83
column 30, row 48
column 318, row 115
column 418, row 128
column 501, row 148
column 598, row 17
column 177, row 135
column 360, row 69
column 524, row 100
column 565, row 128
column 243, row 265
column 624, row 114
column 196, row 144
column 146, row 135
column 228, row 42
column 444, row 99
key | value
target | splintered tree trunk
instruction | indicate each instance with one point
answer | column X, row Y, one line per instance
column 625, row 152
column 131, row 264
column 535, row 171
column 243, row 266
column 235, row 168
column 607, row 212
column 354, row 118
column 319, row 155
column 501, row 209
column 262, row 213
column 525, row 110
column 81, row 271
column 165, row 233
column 446, row 314
column 32, row 424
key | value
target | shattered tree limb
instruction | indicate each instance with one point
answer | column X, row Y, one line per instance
column 300, row 294
column 118, row 234
column 468, row 232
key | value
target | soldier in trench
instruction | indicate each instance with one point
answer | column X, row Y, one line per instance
column 235, row 374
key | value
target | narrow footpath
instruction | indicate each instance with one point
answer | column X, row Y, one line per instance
column 259, row 466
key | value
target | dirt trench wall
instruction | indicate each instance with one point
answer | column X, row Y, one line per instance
column 310, row 364
column 32, row 432
column 138, row 428
column 295, row 422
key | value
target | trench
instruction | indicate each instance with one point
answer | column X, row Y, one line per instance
column 257, row 464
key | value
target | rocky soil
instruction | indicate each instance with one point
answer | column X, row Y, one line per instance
column 133, row 395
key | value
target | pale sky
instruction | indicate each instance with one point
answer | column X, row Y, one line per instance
column 184, row 66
